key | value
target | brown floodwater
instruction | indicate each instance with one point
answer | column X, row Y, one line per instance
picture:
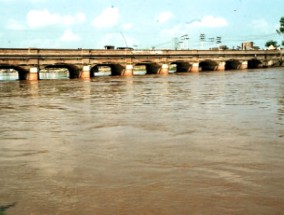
column 207, row 143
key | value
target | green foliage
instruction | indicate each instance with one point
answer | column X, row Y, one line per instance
column 271, row 42
column 281, row 27
column 224, row 47
column 280, row 31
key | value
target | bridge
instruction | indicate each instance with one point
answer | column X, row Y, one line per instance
column 84, row 63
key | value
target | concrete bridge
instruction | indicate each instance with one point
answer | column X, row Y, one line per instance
column 83, row 63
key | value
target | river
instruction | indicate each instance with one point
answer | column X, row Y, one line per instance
column 206, row 143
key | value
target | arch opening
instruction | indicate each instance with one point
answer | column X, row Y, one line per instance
column 233, row 65
column 106, row 70
column 180, row 66
column 59, row 71
column 54, row 73
column 100, row 70
column 208, row 65
column 254, row 64
column 140, row 69
column 146, row 68
column 10, row 72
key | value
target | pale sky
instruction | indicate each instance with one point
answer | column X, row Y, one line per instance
column 141, row 24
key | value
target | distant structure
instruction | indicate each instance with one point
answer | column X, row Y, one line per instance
column 124, row 48
column 175, row 43
column 271, row 47
column 221, row 47
column 247, row 46
column 109, row 47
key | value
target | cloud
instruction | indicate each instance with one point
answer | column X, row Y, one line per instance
column 43, row 18
column 15, row 25
column 261, row 25
column 175, row 30
column 69, row 36
column 108, row 18
column 127, row 26
column 209, row 22
column 75, row 19
column 194, row 25
column 164, row 17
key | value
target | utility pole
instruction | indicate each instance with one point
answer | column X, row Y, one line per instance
column 211, row 41
column 185, row 39
column 175, row 43
column 202, row 39
column 218, row 40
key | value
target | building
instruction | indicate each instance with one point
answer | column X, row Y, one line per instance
column 247, row 46
column 109, row 47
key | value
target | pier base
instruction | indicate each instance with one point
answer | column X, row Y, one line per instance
column 221, row 66
column 244, row 65
column 32, row 75
column 164, row 69
column 128, row 71
column 195, row 67
column 85, row 73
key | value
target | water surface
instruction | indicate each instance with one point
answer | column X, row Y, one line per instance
column 207, row 143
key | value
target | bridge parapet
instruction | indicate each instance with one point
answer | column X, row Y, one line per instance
column 63, row 52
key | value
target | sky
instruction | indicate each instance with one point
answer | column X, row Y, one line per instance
column 141, row 24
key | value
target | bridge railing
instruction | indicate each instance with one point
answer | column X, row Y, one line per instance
column 103, row 52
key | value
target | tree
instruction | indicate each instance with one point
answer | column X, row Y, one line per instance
column 280, row 31
column 223, row 47
column 271, row 42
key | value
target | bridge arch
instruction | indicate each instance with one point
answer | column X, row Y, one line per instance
column 233, row 64
column 208, row 65
column 20, row 71
column 254, row 64
column 148, row 67
column 72, row 70
column 180, row 66
column 107, row 68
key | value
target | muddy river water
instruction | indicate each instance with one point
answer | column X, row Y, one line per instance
column 207, row 143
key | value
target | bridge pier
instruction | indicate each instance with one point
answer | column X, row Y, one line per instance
column 164, row 70
column 128, row 71
column 85, row 73
column 195, row 67
column 244, row 65
column 32, row 75
column 221, row 66
column 272, row 63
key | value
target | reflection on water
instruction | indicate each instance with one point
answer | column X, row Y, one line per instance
column 53, row 75
column 63, row 75
column 8, row 76
column 207, row 143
